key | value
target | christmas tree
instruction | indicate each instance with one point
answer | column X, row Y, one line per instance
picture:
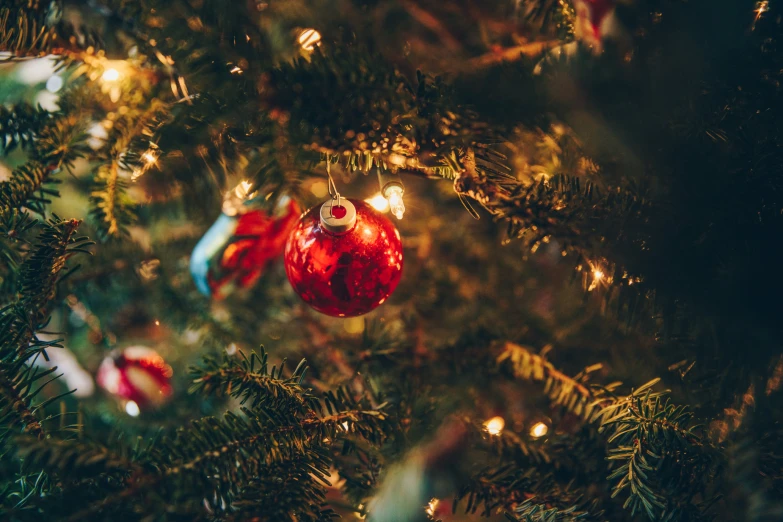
column 391, row 260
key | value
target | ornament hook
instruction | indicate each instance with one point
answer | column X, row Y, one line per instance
column 332, row 186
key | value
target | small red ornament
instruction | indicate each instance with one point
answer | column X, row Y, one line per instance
column 240, row 244
column 344, row 260
column 136, row 374
column 594, row 21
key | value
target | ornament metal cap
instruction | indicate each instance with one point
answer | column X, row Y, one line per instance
column 338, row 219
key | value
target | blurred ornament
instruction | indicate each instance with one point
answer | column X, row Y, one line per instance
column 245, row 238
column 136, row 374
column 344, row 259
column 410, row 489
column 595, row 21
column 75, row 376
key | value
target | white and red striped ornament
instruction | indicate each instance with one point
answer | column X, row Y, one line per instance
column 138, row 374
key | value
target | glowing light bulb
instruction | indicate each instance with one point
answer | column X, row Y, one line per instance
column 761, row 8
column 110, row 75
column 132, row 409
column 495, row 425
column 309, row 38
column 378, row 202
column 432, row 507
column 243, row 189
column 598, row 274
column 394, row 196
column 538, row 430
column 149, row 157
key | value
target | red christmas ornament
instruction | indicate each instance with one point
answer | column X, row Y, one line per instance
column 344, row 260
column 240, row 244
column 136, row 374
column 594, row 20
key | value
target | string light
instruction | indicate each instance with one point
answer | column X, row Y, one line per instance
column 150, row 157
column 309, row 38
column 132, row 409
column 392, row 189
column 378, row 202
column 495, row 425
column 599, row 277
column 242, row 190
column 396, row 205
column 110, row 75
column 432, row 506
column 538, row 430
column 761, row 8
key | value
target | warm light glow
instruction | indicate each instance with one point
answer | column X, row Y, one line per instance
column 394, row 195
column 761, row 8
column 132, row 409
column 309, row 38
column 539, row 429
column 354, row 325
column 149, row 157
column 319, row 189
column 495, row 425
column 157, row 323
column 242, row 190
column 110, row 75
column 378, row 202
column 598, row 276
column 236, row 70
column 345, row 425
column 432, row 506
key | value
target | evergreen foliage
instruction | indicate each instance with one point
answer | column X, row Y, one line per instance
column 634, row 200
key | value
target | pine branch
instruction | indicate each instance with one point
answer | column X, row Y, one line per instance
column 235, row 462
column 348, row 101
column 532, row 511
column 57, row 146
column 32, row 29
column 13, row 244
column 251, row 379
column 561, row 389
column 38, row 278
column 19, row 125
column 662, row 459
column 111, row 206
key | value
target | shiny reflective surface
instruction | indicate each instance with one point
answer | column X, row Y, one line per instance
column 346, row 275
column 136, row 373
column 236, row 249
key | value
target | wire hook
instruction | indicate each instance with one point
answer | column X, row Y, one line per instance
column 332, row 186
